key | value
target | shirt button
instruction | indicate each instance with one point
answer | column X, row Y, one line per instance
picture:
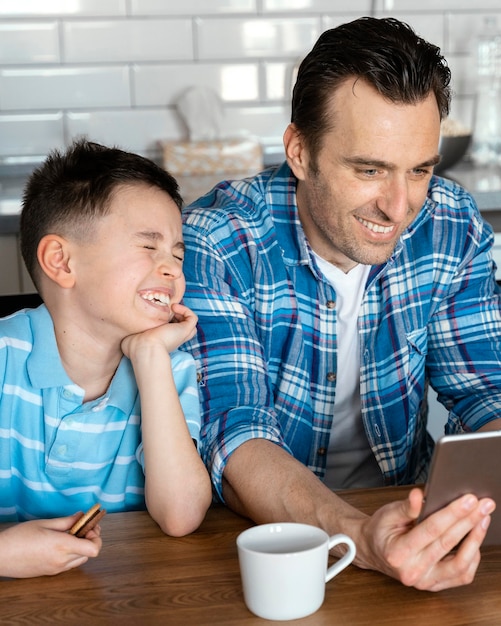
column 331, row 376
column 67, row 393
column 62, row 450
column 330, row 304
column 321, row 452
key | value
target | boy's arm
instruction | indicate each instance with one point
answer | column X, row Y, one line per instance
column 45, row 548
column 177, row 485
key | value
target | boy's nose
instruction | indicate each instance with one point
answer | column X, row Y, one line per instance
column 171, row 268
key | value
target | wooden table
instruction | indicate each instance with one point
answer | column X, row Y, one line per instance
column 143, row 577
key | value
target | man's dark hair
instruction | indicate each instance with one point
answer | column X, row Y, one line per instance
column 71, row 189
column 384, row 52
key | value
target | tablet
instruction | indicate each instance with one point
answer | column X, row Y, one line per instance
column 466, row 463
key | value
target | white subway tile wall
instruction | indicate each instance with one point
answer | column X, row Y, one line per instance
column 127, row 41
column 115, row 70
column 35, row 8
column 66, row 87
column 29, row 43
column 270, row 38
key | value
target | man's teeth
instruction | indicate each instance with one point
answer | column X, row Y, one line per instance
column 159, row 298
column 375, row 227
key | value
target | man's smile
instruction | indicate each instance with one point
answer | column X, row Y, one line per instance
column 376, row 228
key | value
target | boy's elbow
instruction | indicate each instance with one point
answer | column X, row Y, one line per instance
column 182, row 523
column 179, row 529
column 182, row 513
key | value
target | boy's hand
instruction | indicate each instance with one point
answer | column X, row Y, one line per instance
column 171, row 335
column 45, row 548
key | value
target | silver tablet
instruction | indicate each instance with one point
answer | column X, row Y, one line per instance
column 466, row 463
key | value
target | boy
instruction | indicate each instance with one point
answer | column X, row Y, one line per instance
column 101, row 238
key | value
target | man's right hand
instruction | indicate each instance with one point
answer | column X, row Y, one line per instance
column 423, row 555
column 279, row 488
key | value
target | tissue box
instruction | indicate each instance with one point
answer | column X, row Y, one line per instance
column 183, row 158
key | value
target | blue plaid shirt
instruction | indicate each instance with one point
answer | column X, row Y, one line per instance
column 266, row 342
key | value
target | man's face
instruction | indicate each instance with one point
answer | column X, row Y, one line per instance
column 371, row 174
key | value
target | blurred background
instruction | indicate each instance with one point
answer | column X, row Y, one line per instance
column 114, row 69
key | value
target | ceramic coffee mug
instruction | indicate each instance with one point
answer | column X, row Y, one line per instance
column 284, row 568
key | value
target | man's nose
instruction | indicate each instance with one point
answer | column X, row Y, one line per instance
column 395, row 201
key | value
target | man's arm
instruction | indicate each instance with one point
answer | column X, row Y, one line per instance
column 492, row 425
column 265, row 483
column 464, row 349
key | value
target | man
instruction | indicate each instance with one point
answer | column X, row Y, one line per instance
column 331, row 291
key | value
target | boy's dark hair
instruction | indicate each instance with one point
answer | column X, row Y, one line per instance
column 386, row 53
column 71, row 189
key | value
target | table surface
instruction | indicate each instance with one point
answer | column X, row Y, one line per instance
column 144, row 577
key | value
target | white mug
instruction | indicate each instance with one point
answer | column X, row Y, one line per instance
column 284, row 568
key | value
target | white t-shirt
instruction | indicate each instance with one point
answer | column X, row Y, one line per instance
column 350, row 460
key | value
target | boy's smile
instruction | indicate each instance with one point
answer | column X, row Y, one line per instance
column 129, row 268
column 157, row 298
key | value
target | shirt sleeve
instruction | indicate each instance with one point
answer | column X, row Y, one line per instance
column 464, row 351
column 185, row 378
column 221, row 266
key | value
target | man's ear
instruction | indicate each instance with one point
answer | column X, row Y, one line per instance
column 54, row 258
column 295, row 152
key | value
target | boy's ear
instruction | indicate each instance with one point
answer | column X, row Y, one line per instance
column 295, row 151
column 54, row 258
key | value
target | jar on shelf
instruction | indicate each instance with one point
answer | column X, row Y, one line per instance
column 486, row 144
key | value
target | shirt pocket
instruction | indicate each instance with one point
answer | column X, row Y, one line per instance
column 417, row 343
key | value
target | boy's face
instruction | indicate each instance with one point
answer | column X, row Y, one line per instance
column 129, row 272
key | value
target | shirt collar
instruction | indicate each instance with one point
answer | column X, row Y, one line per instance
column 44, row 364
column 45, row 369
column 290, row 233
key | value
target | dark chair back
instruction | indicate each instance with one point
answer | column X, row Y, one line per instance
column 15, row 301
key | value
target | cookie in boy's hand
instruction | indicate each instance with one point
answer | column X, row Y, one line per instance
column 87, row 521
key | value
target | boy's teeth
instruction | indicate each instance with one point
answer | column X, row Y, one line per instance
column 162, row 298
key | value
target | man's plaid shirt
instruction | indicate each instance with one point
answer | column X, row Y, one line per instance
column 266, row 345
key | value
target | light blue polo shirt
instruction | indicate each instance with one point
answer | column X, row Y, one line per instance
column 57, row 454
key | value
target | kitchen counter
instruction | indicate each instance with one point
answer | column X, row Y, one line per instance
column 11, row 193
column 483, row 183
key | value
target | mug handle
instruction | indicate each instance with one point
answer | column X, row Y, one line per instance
column 345, row 560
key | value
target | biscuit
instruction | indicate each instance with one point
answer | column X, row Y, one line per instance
column 87, row 521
